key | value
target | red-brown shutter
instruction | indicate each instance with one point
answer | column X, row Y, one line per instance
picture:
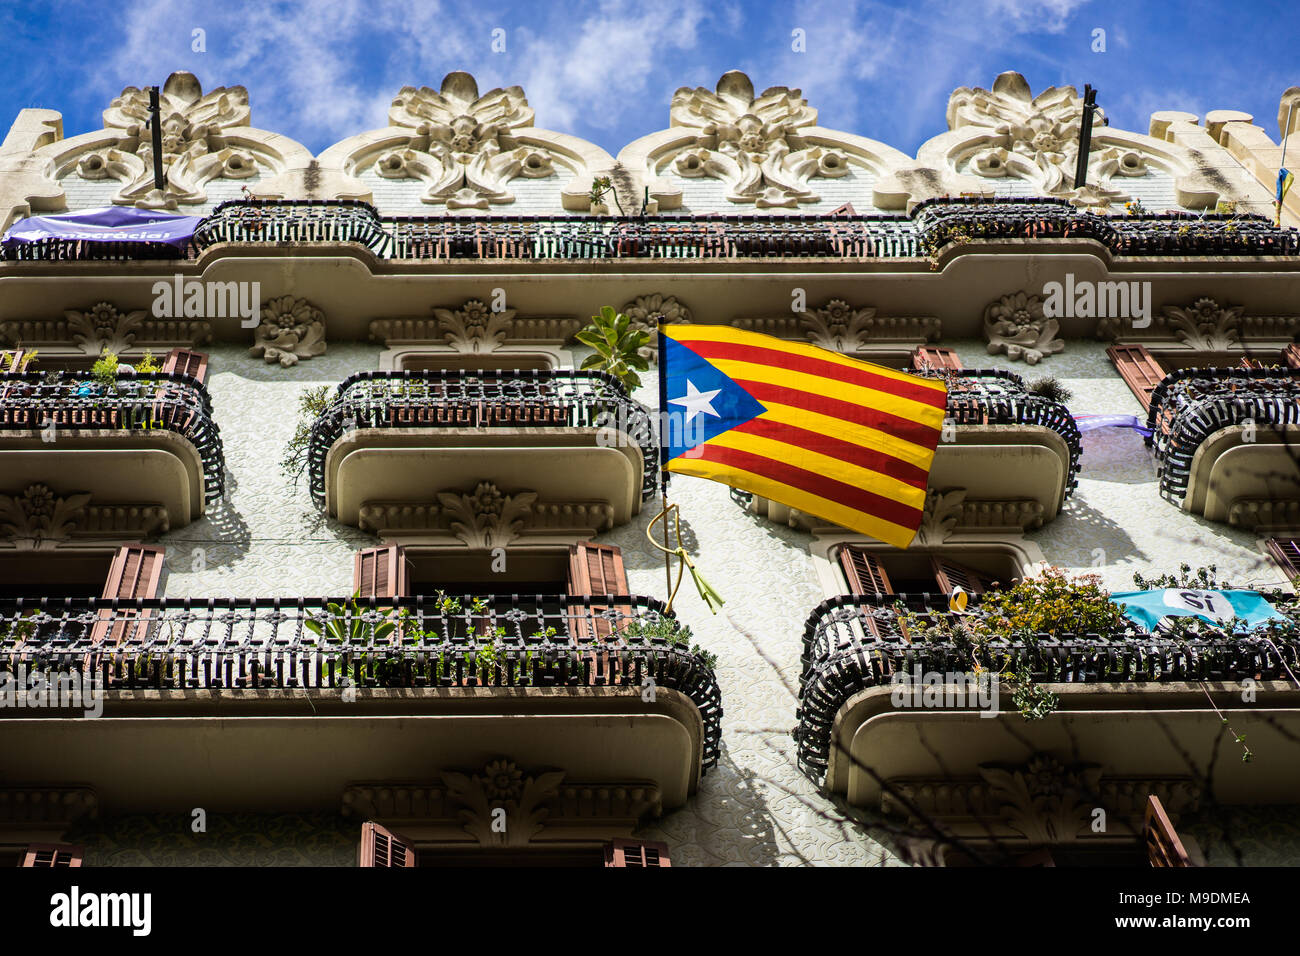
column 595, row 570
column 636, row 853
column 186, row 362
column 1291, row 355
column 52, row 854
column 381, row 572
column 1163, row 846
column 845, row 210
column 1248, row 362
column 1286, row 553
column 381, row 847
column 136, row 572
column 11, row 360
column 936, row 357
column 1139, row 369
column 865, row 574
column 950, row 574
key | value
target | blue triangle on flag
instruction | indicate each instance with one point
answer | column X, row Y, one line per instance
column 700, row 401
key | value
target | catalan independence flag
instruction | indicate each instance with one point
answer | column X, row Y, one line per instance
column 835, row 437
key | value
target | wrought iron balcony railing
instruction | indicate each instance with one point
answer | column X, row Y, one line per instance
column 945, row 221
column 456, row 398
column 502, row 641
column 1000, row 397
column 1191, row 404
column 294, row 220
column 65, row 401
column 854, row 643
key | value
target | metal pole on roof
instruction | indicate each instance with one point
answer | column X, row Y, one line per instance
column 155, row 123
column 1085, row 136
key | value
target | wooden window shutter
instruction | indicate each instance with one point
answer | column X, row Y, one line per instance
column 950, row 574
column 13, row 360
column 381, row 847
column 52, row 854
column 865, row 573
column 1286, row 553
column 595, row 570
column 193, row 364
column 936, row 357
column 1291, row 355
column 1139, row 369
column 381, row 572
column 136, row 572
column 845, row 210
column 1164, row 848
column 636, row 853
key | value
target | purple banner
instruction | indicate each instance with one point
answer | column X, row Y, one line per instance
column 109, row 224
column 1087, row 423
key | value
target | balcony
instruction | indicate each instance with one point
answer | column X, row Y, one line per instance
column 1137, row 710
column 1225, row 443
column 146, row 441
column 399, row 439
column 292, row 702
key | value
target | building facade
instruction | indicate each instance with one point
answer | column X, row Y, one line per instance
column 372, row 543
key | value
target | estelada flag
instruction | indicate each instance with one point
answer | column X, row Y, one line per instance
column 838, row 438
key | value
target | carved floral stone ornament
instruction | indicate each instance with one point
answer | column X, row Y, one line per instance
column 646, row 312
column 1205, row 325
column 194, row 144
column 501, row 806
column 474, row 327
column 1015, row 324
column 37, row 519
column 751, row 143
column 103, row 326
column 487, row 519
column 291, row 329
column 463, row 144
column 1035, row 138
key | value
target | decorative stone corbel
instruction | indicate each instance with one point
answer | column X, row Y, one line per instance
column 291, row 329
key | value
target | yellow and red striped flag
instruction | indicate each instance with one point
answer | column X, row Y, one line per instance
column 845, row 440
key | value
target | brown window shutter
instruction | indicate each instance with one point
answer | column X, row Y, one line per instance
column 193, row 364
column 1139, row 369
column 381, row 847
column 1248, row 362
column 12, row 360
column 636, row 853
column 1291, row 355
column 865, row 573
column 950, row 574
column 1286, row 553
column 595, row 570
column 381, row 572
column 845, row 210
column 52, row 854
column 936, row 357
column 1162, row 843
column 136, row 572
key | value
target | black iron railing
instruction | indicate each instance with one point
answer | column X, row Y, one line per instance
column 941, row 222
column 1191, row 404
column 79, row 250
column 1000, row 397
column 455, row 398
column 63, row 401
column 289, row 220
column 506, row 641
column 854, row 643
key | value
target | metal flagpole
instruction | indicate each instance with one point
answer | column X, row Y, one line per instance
column 663, row 449
column 1286, row 135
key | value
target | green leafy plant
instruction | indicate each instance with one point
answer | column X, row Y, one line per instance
column 1225, row 207
column 311, row 402
column 601, row 187
column 104, row 371
column 668, row 629
column 148, row 364
column 1135, row 208
column 344, row 623
column 617, row 346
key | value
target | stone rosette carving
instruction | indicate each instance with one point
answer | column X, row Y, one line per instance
column 194, row 145
column 751, row 143
column 37, row 519
column 104, row 326
column 838, row 326
column 646, row 312
column 1043, row 801
column 1036, row 138
column 501, row 785
column 487, row 518
column 290, row 329
column 462, row 144
column 474, row 327
column 1016, row 325
column 1205, row 325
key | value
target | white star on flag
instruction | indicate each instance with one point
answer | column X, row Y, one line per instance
column 696, row 402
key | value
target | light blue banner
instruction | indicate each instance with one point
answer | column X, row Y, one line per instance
column 1148, row 608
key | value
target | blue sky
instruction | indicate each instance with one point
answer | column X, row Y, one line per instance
column 319, row 70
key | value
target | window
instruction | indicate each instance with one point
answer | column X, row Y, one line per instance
column 1285, row 553
column 907, row 572
column 384, row 848
column 1142, row 369
column 44, row 855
